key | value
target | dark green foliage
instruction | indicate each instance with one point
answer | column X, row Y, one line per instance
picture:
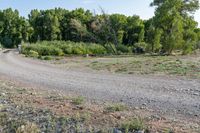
column 134, row 31
column 174, row 18
column 172, row 28
column 122, row 49
column 13, row 28
column 140, row 47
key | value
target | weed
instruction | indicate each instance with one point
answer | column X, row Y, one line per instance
column 133, row 125
column 116, row 107
column 47, row 58
column 33, row 54
column 148, row 65
column 28, row 128
column 3, row 118
column 78, row 100
column 12, row 125
column 21, row 90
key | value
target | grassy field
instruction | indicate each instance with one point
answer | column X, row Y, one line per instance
column 30, row 110
column 188, row 66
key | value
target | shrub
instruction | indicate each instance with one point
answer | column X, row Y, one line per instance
column 133, row 125
column 47, row 58
column 96, row 49
column 140, row 47
column 122, row 48
column 78, row 100
column 67, row 49
column 116, row 107
column 110, row 48
column 59, row 48
column 77, row 50
column 33, row 54
column 187, row 48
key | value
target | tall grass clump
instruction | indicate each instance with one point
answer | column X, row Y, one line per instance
column 134, row 125
column 59, row 48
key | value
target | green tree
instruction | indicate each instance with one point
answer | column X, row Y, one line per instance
column 170, row 17
column 78, row 30
column 118, row 23
column 134, row 31
column 153, row 39
column 71, row 22
column 11, row 27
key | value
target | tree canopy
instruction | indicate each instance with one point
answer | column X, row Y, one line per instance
column 172, row 28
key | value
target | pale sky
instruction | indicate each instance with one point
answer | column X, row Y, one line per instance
column 127, row 7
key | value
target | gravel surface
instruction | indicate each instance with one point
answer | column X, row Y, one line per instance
column 167, row 95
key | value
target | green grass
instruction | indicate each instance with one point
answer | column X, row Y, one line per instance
column 116, row 107
column 136, row 124
column 78, row 100
column 162, row 65
column 60, row 48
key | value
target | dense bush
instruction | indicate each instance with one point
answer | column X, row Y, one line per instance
column 140, row 47
column 42, row 49
column 59, row 48
column 33, row 54
column 122, row 49
column 136, row 124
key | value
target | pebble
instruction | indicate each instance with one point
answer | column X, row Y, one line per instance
column 116, row 131
column 144, row 104
column 136, row 108
column 142, row 107
column 3, row 94
column 156, row 117
column 139, row 131
column 196, row 94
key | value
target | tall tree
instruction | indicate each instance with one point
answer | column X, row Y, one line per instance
column 170, row 16
column 11, row 27
column 134, row 30
column 118, row 23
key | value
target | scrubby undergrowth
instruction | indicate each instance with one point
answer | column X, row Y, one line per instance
column 60, row 48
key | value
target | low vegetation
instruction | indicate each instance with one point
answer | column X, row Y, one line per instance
column 78, row 100
column 60, row 48
column 187, row 66
column 28, row 110
column 116, row 107
column 164, row 65
column 134, row 125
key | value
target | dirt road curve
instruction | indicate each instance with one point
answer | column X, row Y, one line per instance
column 167, row 95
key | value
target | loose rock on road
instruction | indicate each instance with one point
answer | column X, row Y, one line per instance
column 170, row 96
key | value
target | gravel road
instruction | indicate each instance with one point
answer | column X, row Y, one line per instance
column 164, row 94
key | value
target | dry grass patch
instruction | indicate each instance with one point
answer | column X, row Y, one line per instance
column 30, row 110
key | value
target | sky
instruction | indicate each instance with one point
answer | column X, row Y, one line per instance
column 127, row 7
